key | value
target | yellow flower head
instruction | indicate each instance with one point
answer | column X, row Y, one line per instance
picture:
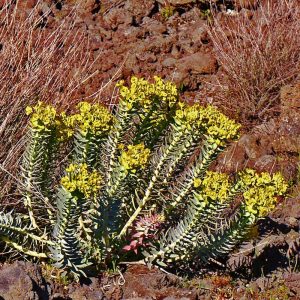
column 142, row 93
column 219, row 126
column 208, row 120
column 214, row 186
column 93, row 118
column 65, row 126
column 260, row 191
column 79, row 179
column 42, row 117
column 197, row 182
column 189, row 116
column 135, row 157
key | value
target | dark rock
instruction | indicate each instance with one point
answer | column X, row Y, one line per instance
column 87, row 292
column 139, row 9
column 142, row 283
column 22, row 280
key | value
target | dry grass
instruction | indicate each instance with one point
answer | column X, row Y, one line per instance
column 258, row 53
column 36, row 63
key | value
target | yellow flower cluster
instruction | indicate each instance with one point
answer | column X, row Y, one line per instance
column 93, row 118
column 79, row 179
column 189, row 116
column 215, row 186
column 219, row 126
column 135, row 157
column 65, row 126
column 42, row 117
column 209, row 120
column 261, row 191
column 143, row 93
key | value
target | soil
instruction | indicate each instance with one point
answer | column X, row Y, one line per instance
column 132, row 37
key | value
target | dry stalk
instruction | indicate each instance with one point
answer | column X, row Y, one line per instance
column 258, row 53
column 39, row 61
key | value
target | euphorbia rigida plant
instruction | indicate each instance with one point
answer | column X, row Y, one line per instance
column 136, row 184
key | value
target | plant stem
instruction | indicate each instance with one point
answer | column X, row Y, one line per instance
column 174, row 141
column 21, row 249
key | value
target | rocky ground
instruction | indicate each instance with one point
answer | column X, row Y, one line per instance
column 136, row 37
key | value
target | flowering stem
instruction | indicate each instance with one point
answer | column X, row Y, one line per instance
column 176, row 137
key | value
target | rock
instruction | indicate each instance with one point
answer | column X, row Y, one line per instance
column 22, row 280
column 198, row 31
column 185, row 45
column 169, row 62
column 139, row 9
column 290, row 97
column 153, row 26
column 87, row 292
column 175, row 51
column 142, row 283
column 131, row 65
column 232, row 159
column 292, row 281
column 87, row 5
column 199, row 63
column 179, row 77
column 117, row 16
column 287, row 143
column 159, row 44
column 148, row 57
column 290, row 109
column 265, row 162
column 45, row 8
column 250, row 144
column 289, row 211
column 96, row 43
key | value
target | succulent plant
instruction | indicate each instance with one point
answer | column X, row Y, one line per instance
column 137, row 179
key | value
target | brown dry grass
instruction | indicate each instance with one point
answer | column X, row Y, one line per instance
column 258, row 53
column 37, row 62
